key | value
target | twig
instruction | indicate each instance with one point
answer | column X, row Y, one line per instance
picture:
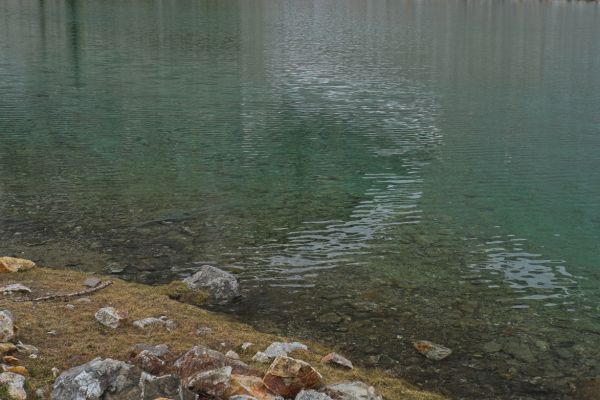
column 69, row 295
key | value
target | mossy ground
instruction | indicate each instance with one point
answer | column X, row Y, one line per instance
column 76, row 337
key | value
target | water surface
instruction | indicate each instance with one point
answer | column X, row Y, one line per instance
column 374, row 172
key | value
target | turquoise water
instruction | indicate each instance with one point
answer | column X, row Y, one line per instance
column 374, row 172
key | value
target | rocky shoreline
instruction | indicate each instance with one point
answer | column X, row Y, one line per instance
column 130, row 341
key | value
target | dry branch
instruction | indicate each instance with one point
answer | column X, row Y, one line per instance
column 69, row 295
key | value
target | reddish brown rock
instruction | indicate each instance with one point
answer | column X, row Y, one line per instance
column 287, row 376
column 156, row 360
column 201, row 359
column 338, row 360
column 242, row 385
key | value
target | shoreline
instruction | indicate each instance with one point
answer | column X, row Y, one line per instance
column 67, row 335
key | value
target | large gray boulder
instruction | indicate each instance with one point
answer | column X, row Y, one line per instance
column 14, row 384
column 222, row 286
column 98, row 379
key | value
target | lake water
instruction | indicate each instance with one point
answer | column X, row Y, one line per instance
column 375, row 172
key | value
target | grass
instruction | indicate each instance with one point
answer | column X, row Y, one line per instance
column 78, row 337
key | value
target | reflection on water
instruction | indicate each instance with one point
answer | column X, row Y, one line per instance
column 375, row 173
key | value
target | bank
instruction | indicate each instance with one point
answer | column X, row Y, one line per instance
column 67, row 333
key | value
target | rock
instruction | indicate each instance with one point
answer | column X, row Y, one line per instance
column 156, row 360
column 214, row 382
column 19, row 369
column 10, row 360
column 242, row 397
column 70, row 307
column 14, row 288
column 261, row 358
column 83, row 300
column 491, row 347
column 277, row 349
column 519, row 350
column 109, row 316
column 312, row 395
column 6, row 348
column 157, row 387
column 251, row 386
column 222, row 286
column 287, row 376
column 246, row 345
column 205, row 330
column 91, row 282
column 98, row 379
column 15, row 385
column 27, row 349
column 11, row 264
column 55, row 372
column 432, row 350
column 7, row 327
column 153, row 322
column 202, row 359
column 336, row 359
column 232, row 354
column 330, row 318
column 114, row 268
column 351, row 391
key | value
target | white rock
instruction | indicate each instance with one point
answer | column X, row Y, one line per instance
column 312, row 395
column 153, row 322
column 14, row 288
column 7, row 327
column 351, row 391
column 15, row 384
column 247, row 345
column 261, row 358
column 232, row 354
column 222, row 286
column 277, row 349
column 109, row 316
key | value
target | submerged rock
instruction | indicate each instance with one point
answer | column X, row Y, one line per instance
column 15, row 288
column 351, row 391
column 336, row 359
column 432, row 350
column 222, row 286
column 98, row 379
column 15, row 385
column 7, row 327
column 109, row 316
column 287, row 376
column 12, row 264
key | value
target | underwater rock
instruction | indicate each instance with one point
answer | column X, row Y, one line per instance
column 432, row 350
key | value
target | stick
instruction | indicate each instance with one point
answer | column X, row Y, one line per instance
column 69, row 295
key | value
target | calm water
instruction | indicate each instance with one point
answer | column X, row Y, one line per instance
column 375, row 172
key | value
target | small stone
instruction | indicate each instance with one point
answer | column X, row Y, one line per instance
column 91, row 282
column 312, row 395
column 110, row 317
column 12, row 264
column 70, row 307
column 15, row 288
column 114, row 268
column 277, row 349
column 330, row 318
column 287, row 376
column 232, row 354
column 492, row 347
column 15, row 385
column 335, row 358
column 6, row 348
column 170, row 325
column 53, row 332
column 432, row 350
column 351, row 391
column 83, row 300
column 55, row 372
column 10, row 360
column 27, row 349
column 7, row 327
column 261, row 357
column 203, row 331
column 18, row 369
column 213, row 383
column 246, row 345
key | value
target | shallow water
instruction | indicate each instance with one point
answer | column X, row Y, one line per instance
column 374, row 172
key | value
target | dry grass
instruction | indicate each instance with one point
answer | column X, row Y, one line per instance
column 79, row 338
